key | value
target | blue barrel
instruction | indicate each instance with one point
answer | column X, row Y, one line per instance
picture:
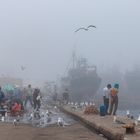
column 102, row 110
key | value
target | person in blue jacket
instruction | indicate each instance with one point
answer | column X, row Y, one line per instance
column 2, row 96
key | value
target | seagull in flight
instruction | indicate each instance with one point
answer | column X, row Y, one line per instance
column 23, row 68
column 81, row 29
column 91, row 26
column 86, row 29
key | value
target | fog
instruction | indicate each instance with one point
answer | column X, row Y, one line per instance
column 39, row 35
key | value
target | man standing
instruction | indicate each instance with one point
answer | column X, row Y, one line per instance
column 114, row 99
column 1, row 96
column 36, row 99
column 29, row 95
column 106, row 94
column 66, row 96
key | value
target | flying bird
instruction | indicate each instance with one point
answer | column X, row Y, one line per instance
column 91, row 26
column 81, row 29
column 23, row 68
column 86, row 29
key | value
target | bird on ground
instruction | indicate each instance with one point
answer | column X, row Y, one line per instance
column 55, row 107
column 90, row 103
column 2, row 118
column 47, row 112
column 60, row 122
column 14, row 122
column 47, row 117
column 18, row 118
column 86, row 103
column 31, row 117
column 128, row 113
column 82, row 104
column 42, row 114
column 72, row 103
column 6, row 117
column 139, row 118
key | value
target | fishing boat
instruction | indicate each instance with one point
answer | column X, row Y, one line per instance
column 81, row 80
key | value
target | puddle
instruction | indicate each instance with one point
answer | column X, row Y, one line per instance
column 46, row 116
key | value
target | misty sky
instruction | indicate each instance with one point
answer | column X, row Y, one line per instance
column 39, row 34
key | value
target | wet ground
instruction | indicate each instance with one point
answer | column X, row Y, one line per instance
column 45, row 126
column 48, row 115
column 24, row 132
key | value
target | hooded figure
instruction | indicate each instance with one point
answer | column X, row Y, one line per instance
column 116, row 86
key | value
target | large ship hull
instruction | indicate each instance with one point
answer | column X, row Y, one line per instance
column 82, row 81
column 84, row 88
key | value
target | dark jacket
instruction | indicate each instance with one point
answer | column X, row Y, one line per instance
column 35, row 94
column 2, row 96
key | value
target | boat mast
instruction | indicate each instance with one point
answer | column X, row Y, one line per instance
column 73, row 60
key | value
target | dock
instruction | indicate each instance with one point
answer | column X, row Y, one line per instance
column 104, row 125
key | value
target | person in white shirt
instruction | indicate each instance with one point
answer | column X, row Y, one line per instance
column 106, row 94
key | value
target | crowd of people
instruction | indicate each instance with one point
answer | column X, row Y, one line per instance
column 15, row 101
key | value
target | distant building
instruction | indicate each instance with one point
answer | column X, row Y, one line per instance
column 10, row 80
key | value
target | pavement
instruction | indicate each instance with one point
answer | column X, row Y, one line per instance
column 26, row 132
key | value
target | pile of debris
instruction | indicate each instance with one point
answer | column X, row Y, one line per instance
column 92, row 109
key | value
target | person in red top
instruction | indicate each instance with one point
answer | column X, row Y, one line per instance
column 16, row 108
